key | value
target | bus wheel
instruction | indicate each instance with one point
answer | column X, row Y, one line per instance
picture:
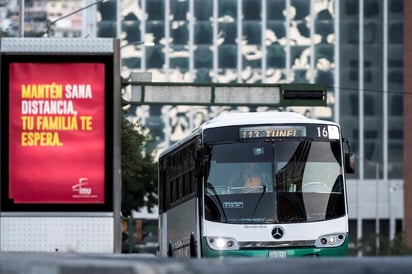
column 169, row 251
column 193, row 247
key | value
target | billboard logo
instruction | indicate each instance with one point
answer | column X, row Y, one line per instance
column 82, row 188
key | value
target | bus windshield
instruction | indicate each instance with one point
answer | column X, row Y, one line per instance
column 281, row 181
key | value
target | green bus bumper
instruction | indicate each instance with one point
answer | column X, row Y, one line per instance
column 278, row 252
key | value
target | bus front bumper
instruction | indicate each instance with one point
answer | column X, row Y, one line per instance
column 341, row 250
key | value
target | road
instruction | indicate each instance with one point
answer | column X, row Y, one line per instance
column 77, row 263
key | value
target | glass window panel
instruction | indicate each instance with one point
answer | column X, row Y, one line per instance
column 395, row 85
column 351, row 7
column 395, row 150
column 155, row 10
column 131, row 16
column 228, row 31
column 107, row 10
column 203, row 57
column 374, row 59
column 325, row 77
column 227, row 76
column 324, row 29
column 300, row 76
column 396, row 6
column 203, row 76
column 303, row 29
column 354, row 103
column 179, row 62
column 352, row 33
column 227, row 56
column 276, row 56
column 203, row 10
column 278, row 28
column 275, row 10
column 369, row 152
column 107, row 29
column 251, row 9
column 179, row 33
column 395, row 159
column 396, row 33
column 399, row 226
column 252, row 62
column 372, row 33
column 395, row 133
column 228, row 8
column 132, row 30
column 131, row 63
column 372, row 8
column 155, row 57
column 373, row 114
column 395, row 77
column 353, row 235
column 203, row 33
column 326, row 52
column 299, row 57
column 396, row 105
column 179, row 9
column 353, row 75
column 252, row 31
column 157, row 29
column 369, row 105
column 253, row 75
column 302, row 9
column 179, row 57
column 276, row 75
column 324, row 15
column 395, row 63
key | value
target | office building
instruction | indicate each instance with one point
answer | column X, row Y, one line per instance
column 356, row 47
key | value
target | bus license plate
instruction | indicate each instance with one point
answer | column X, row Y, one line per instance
column 278, row 254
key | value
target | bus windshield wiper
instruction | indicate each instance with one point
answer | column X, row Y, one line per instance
column 258, row 201
column 216, row 199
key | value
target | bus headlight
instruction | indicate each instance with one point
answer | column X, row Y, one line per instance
column 222, row 243
column 330, row 240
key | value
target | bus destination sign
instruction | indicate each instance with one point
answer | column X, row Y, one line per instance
column 272, row 132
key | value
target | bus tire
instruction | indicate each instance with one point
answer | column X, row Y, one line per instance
column 170, row 251
column 193, row 246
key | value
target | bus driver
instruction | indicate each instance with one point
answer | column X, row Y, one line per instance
column 251, row 182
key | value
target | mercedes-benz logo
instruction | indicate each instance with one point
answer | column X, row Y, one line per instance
column 278, row 232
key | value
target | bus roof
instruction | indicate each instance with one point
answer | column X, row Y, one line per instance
column 247, row 118
column 260, row 118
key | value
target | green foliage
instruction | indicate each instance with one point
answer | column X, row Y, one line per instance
column 139, row 170
column 387, row 247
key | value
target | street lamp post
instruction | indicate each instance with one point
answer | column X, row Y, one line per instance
column 377, row 215
column 21, row 18
column 377, row 225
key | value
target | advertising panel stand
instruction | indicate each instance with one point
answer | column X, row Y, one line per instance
column 60, row 145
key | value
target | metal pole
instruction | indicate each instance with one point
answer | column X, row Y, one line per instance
column 21, row 18
column 377, row 210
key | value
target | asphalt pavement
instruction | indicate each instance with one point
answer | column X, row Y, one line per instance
column 79, row 263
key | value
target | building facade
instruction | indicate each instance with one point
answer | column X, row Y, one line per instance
column 355, row 47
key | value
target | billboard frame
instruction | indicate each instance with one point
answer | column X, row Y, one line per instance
column 70, row 51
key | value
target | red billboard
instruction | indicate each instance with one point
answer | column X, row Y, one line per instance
column 56, row 132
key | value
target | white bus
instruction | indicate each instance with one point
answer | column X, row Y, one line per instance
column 255, row 184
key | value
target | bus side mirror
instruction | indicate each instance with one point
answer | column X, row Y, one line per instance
column 350, row 163
column 202, row 160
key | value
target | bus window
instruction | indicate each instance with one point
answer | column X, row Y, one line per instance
column 237, row 167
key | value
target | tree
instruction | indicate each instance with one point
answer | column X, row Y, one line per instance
column 139, row 170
